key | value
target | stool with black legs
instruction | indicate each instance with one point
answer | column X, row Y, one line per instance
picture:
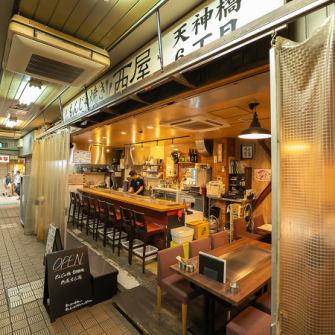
column 114, row 220
column 100, row 215
column 146, row 230
column 92, row 216
column 78, row 209
column 72, row 208
column 127, row 225
column 85, row 212
column 105, row 227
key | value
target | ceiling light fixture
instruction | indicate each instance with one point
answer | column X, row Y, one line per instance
column 172, row 145
column 90, row 140
column 123, row 133
column 150, row 127
column 255, row 131
column 156, row 144
column 10, row 121
column 31, row 92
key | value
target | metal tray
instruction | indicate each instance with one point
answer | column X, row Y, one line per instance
column 136, row 243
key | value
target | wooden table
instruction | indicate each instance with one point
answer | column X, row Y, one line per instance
column 248, row 284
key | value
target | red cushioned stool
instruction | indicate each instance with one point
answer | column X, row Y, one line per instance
column 251, row 321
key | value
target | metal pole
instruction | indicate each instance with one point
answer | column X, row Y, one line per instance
column 275, row 166
column 159, row 34
column 137, row 24
column 60, row 107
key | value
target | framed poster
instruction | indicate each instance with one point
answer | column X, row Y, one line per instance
column 247, row 151
column 220, row 153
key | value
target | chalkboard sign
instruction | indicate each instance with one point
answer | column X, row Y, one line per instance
column 54, row 242
column 67, row 282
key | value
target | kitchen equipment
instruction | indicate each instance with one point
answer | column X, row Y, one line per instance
column 215, row 188
column 125, row 185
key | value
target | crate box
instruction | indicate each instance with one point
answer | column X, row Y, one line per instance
column 201, row 228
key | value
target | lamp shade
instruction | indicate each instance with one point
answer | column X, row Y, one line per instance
column 255, row 130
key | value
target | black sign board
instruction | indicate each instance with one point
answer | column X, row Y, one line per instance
column 67, row 282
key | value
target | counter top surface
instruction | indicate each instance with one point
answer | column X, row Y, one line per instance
column 137, row 200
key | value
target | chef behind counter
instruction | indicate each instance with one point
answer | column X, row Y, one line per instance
column 136, row 183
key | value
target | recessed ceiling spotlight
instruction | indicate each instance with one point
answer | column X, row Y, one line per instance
column 123, row 133
column 150, row 127
column 104, row 137
column 90, row 140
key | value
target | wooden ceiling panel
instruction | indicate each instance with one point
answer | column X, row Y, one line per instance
column 93, row 20
column 45, row 11
column 28, row 8
column 117, row 11
column 127, row 21
column 78, row 16
column 220, row 101
column 59, row 18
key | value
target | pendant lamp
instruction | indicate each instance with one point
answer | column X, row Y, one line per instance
column 255, row 131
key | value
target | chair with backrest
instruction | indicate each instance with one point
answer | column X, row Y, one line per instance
column 257, row 222
column 127, row 226
column 204, row 244
column 78, row 209
column 85, row 211
column 173, row 283
column 220, row 239
column 240, row 230
column 72, row 208
column 145, row 231
column 264, row 302
column 93, row 216
column 103, row 227
column 114, row 222
column 251, row 321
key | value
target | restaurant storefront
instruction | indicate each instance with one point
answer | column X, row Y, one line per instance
column 171, row 127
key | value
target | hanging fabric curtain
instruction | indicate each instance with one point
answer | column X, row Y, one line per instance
column 306, row 174
column 47, row 194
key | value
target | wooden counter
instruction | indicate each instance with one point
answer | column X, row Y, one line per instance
column 136, row 200
column 163, row 212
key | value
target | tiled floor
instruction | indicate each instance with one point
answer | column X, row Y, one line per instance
column 21, row 290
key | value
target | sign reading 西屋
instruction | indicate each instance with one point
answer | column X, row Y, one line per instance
column 67, row 282
column 207, row 23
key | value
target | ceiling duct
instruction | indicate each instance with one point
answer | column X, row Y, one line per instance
column 198, row 123
column 204, row 147
column 50, row 55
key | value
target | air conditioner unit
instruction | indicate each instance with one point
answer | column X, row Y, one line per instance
column 198, row 123
column 47, row 54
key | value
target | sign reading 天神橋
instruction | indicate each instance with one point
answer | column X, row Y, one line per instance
column 214, row 19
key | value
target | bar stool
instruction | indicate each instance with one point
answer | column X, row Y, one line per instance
column 127, row 225
column 251, row 321
column 85, row 211
column 99, row 217
column 72, row 207
column 146, row 230
column 78, row 209
column 92, row 217
column 107, row 220
column 114, row 219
